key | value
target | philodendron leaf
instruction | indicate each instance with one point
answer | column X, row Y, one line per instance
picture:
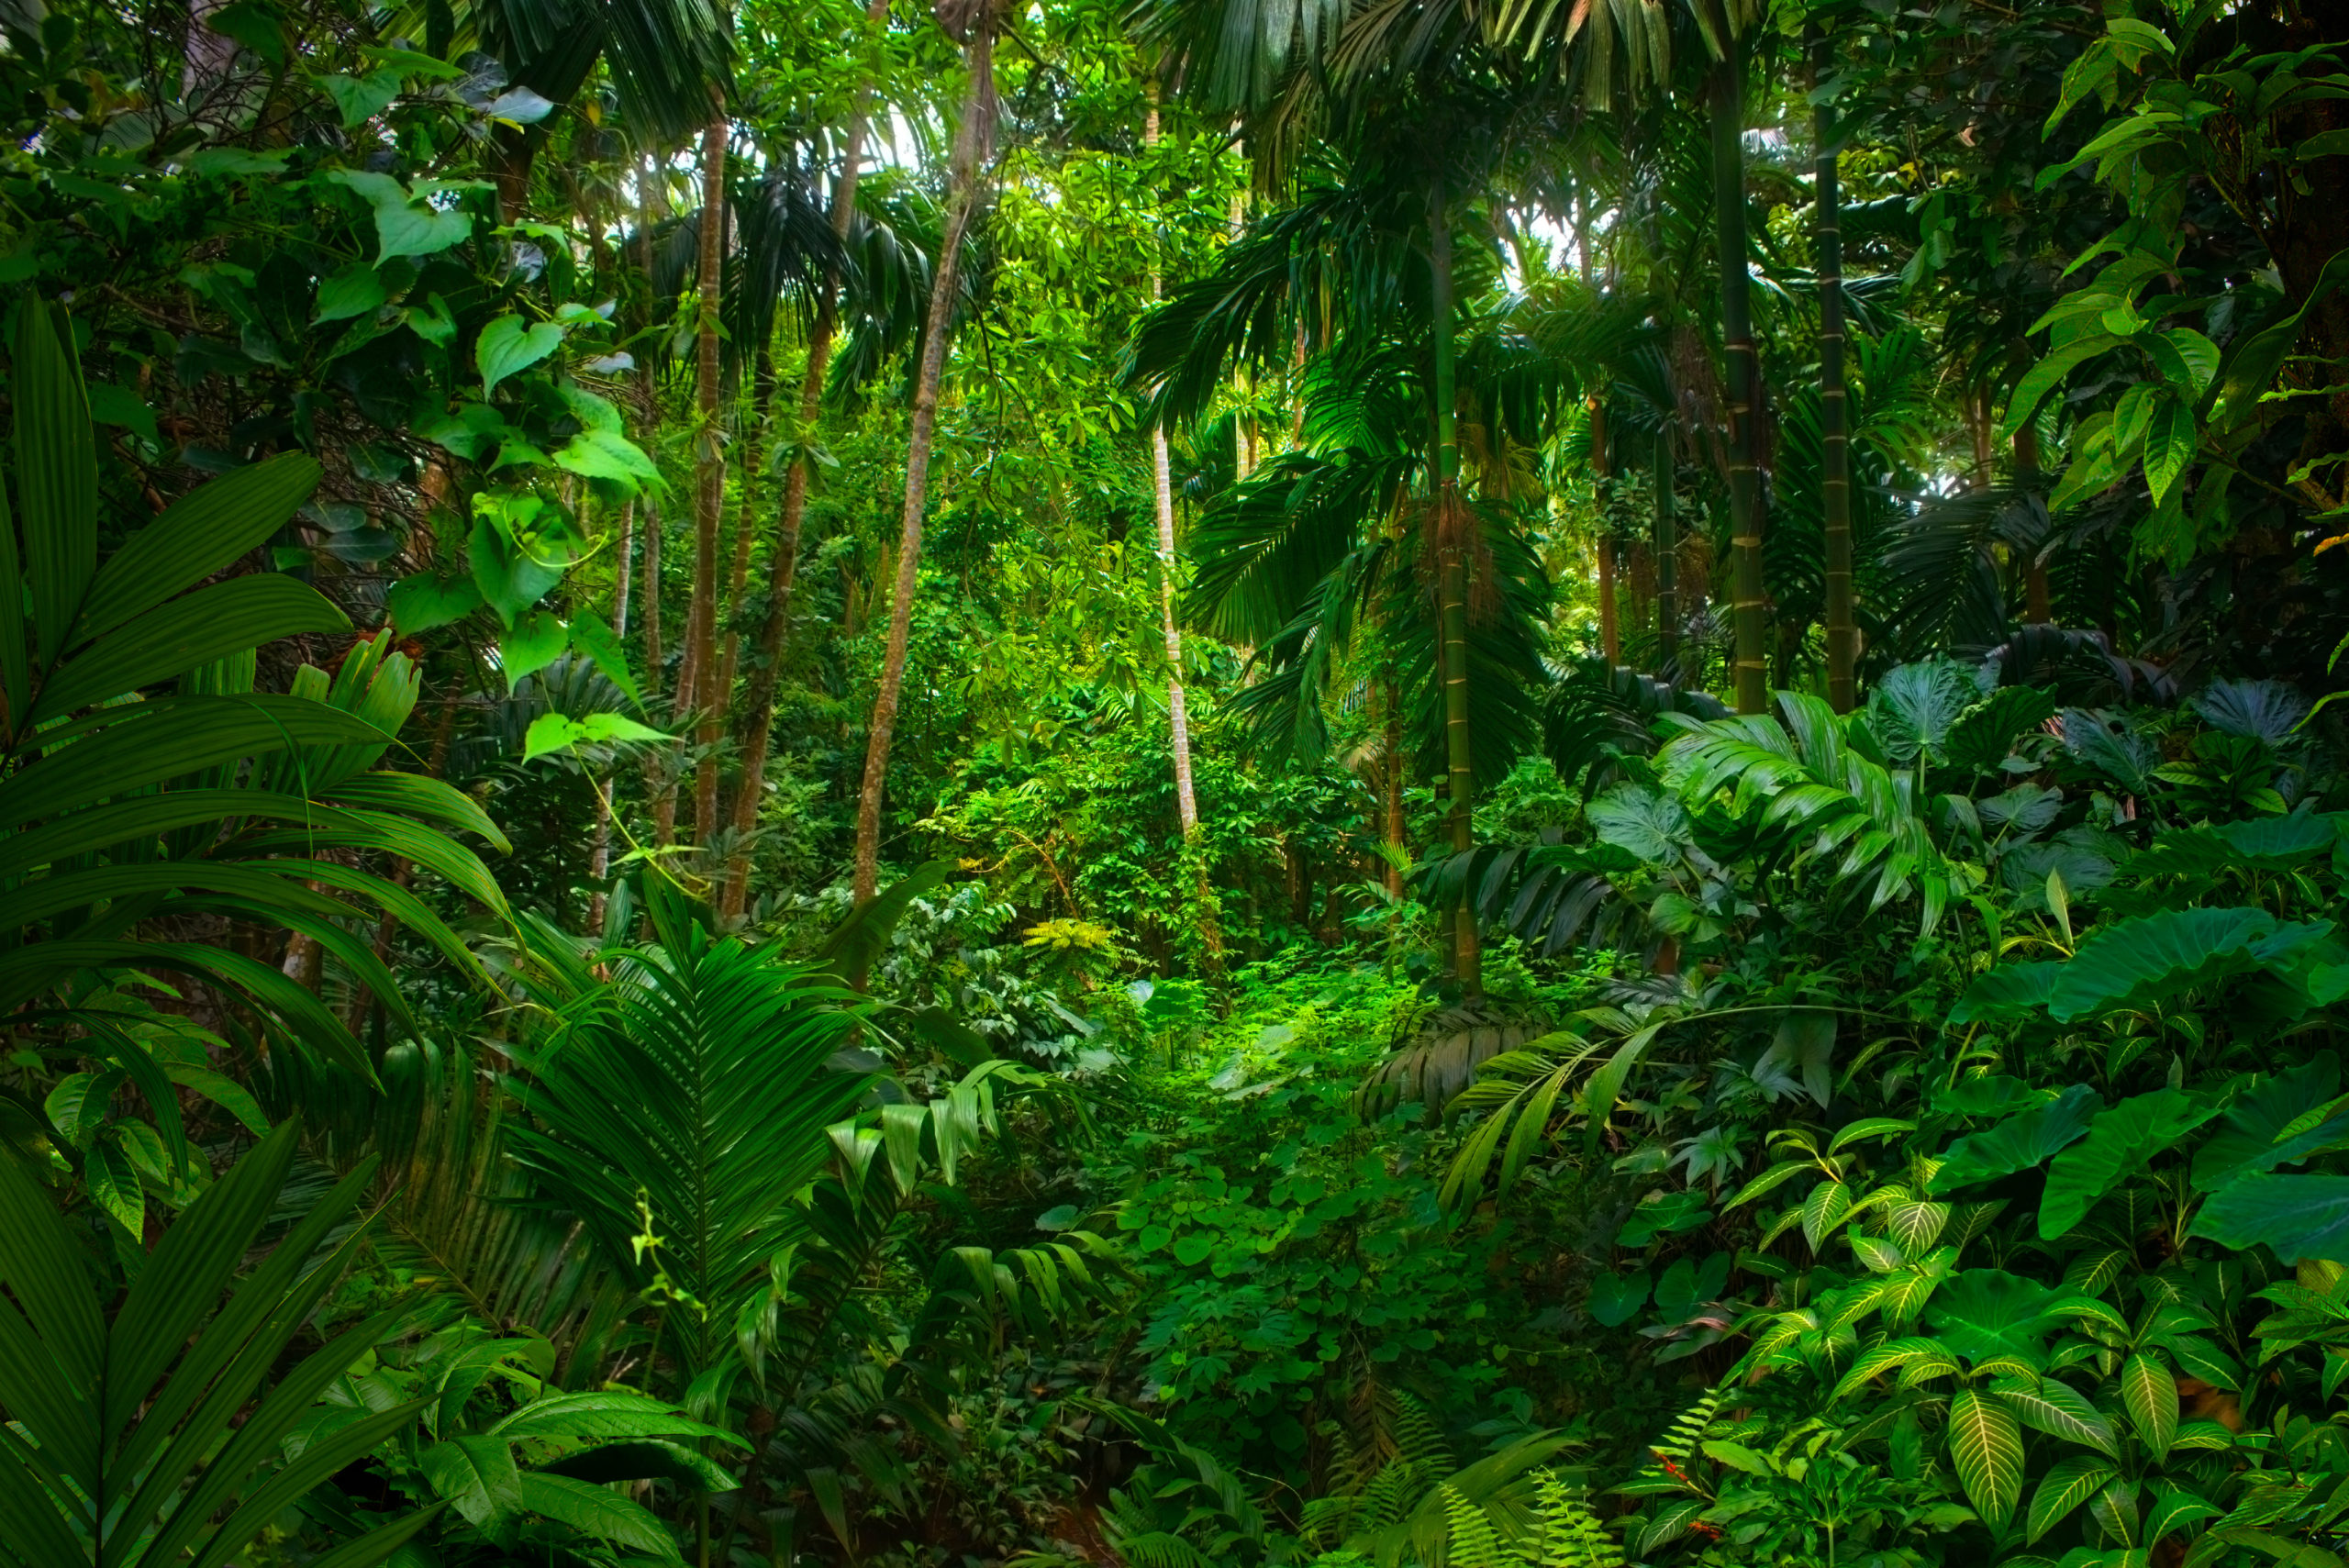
column 1615, row 1299
column 2020, row 1143
column 2299, row 1216
column 2119, row 1143
column 507, row 346
column 536, row 641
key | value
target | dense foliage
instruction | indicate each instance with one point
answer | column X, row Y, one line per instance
column 1195, row 785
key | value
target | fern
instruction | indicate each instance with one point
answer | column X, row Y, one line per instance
column 1572, row 1536
column 1470, row 1541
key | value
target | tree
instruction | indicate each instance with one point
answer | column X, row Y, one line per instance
column 971, row 23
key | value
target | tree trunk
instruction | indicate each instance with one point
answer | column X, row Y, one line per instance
column 2037, row 606
column 1748, row 606
column 599, row 852
column 761, row 401
column 1667, row 561
column 1178, row 719
column 661, row 786
column 1834, row 416
column 1610, row 636
column 783, row 559
column 703, row 691
column 1391, row 702
column 970, row 140
column 1452, row 521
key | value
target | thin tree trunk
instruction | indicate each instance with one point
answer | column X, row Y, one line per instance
column 1834, row 415
column 599, row 853
column 784, row 561
column 1611, row 635
column 1749, row 608
column 703, row 691
column 1390, row 702
column 969, row 139
column 1178, row 719
column 2037, row 606
column 1452, row 521
column 1667, row 561
column 761, row 401
column 658, row 782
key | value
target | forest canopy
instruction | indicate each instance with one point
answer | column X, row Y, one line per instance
column 1182, row 783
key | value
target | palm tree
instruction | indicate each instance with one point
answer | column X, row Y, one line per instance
column 971, row 23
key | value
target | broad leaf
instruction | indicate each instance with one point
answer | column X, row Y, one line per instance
column 2119, row 1143
column 2020, row 1143
column 2299, row 1216
column 1986, row 1449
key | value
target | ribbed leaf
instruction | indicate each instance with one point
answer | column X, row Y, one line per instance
column 57, row 478
column 2150, row 1394
column 204, row 532
column 596, row 1511
column 185, row 634
column 2065, row 1488
column 1986, row 1449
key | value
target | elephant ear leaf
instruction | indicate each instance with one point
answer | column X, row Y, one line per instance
column 2279, row 1121
column 2118, row 1143
column 2137, row 963
column 2299, row 1216
column 2020, row 1143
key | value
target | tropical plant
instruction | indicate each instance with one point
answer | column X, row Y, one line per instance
column 140, row 1429
column 143, row 778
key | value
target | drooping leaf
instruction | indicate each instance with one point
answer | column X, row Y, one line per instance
column 2299, row 1216
column 2119, row 1143
column 2020, row 1143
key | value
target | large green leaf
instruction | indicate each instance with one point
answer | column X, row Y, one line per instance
column 596, row 1511
column 56, row 473
column 2135, row 964
column 204, row 532
column 2278, row 1121
column 2299, row 1216
column 2020, row 1143
column 2119, row 1143
column 1988, row 1315
column 185, row 634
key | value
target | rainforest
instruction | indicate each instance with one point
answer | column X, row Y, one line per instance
column 1174, row 783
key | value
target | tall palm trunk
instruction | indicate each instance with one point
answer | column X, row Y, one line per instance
column 1667, row 560
column 969, row 139
column 766, row 673
column 1834, row 415
column 1390, row 703
column 1179, row 717
column 1452, row 522
column 1748, row 603
column 710, row 485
